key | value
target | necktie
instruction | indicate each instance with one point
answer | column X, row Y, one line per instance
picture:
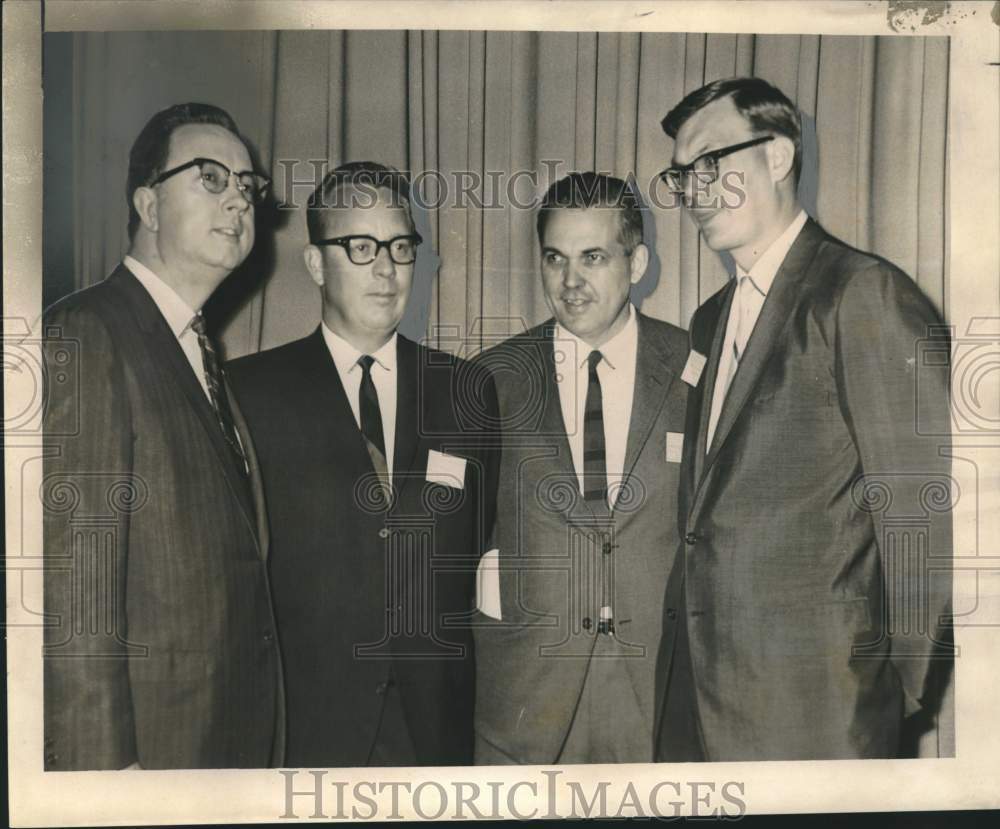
column 371, row 423
column 217, row 390
column 745, row 290
column 595, row 476
column 595, row 482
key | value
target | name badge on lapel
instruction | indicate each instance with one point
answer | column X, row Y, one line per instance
column 445, row 469
column 693, row 368
column 675, row 447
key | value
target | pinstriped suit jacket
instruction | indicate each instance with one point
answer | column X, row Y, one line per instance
column 160, row 645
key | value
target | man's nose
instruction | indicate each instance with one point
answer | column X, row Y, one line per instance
column 571, row 276
column 233, row 198
column 383, row 264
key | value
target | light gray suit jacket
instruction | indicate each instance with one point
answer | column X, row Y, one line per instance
column 531, row 665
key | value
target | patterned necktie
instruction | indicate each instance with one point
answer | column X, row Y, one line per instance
column 371, row 423
column 744, row 297
column 217, row 391
column 595, row 476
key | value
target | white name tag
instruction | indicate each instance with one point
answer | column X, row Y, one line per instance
column 488, row 584
column 693, row 368
column 675, row 447
column 445, row 469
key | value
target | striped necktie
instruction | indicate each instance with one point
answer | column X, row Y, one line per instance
column 217, row 391
column 371, row 423
column 595, row 475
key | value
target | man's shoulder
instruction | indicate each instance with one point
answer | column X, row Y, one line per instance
column 272, row 362
column 92, row 308
column 528, row 345
column 673, row 335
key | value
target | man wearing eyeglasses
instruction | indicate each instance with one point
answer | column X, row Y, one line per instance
column 803, row 619
column 374, row 460
column 162, row 650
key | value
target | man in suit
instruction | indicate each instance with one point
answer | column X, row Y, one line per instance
column 160, row 649
column 373, row 457
column 591, row 414
column 803, row 619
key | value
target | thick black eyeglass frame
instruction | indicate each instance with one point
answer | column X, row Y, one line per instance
column 252, row 186
column 345, row 243
column 675, row 176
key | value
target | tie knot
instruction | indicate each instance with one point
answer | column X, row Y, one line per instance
column 366, row 361
column 198, row 325
column 594, row 360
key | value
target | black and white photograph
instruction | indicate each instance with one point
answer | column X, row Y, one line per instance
column 476, row 411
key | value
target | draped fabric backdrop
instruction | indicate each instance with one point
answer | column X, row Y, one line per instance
column 466, row 104
column 470, row 103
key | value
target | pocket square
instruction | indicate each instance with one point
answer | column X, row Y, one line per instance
column 488, row 584
column 445, row 469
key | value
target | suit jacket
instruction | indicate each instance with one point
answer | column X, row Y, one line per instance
column 531, row 665
column 365, row 596
column 815, row 568
column 160, row 645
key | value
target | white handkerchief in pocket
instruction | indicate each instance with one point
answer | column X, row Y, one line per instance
column 445, row 469
column 488, row 584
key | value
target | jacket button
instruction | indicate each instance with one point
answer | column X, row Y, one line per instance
column 383, row 533
column 49, row 742
column 692, row 538
column 587, row 624
column 381, row 688
column 671, row 613
column 268, row 636
column 50, row 759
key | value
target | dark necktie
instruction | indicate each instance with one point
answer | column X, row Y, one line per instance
column 595, row 476
column 217, row 391
column 371, row 423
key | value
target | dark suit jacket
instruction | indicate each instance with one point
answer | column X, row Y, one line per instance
column 160, row 646
column 360, row 592
column 825, row 487
column 531, row 665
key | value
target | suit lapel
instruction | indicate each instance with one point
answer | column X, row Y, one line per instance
column 773, row 321
column 652, row 380
column 708, row 381
column 409, row 410
column 554, row 424
column 166, row 346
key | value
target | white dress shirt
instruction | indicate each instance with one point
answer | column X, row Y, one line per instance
column 177, row 313
column 616, row 371
column 745, row 310
column 345, row 357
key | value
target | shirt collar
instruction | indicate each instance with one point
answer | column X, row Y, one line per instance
column 614, row 352
column 175, row 310
column 766, row 267
column 345, row 355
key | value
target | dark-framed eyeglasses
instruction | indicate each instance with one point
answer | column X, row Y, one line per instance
column 363, row 250
column 705, row 168
column 215, row 178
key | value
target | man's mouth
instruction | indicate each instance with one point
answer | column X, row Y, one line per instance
column 575, row 302
column 229, row 231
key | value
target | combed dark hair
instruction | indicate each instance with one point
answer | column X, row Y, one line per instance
column 365, row 176
column 765, row 106
column 149, row 153
column 591, row 189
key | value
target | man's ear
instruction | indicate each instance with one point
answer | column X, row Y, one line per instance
column 781, row 155
column 314, row 264
column 638, row 262
column 146, row 205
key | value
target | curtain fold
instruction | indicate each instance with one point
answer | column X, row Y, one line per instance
column 483, row 121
